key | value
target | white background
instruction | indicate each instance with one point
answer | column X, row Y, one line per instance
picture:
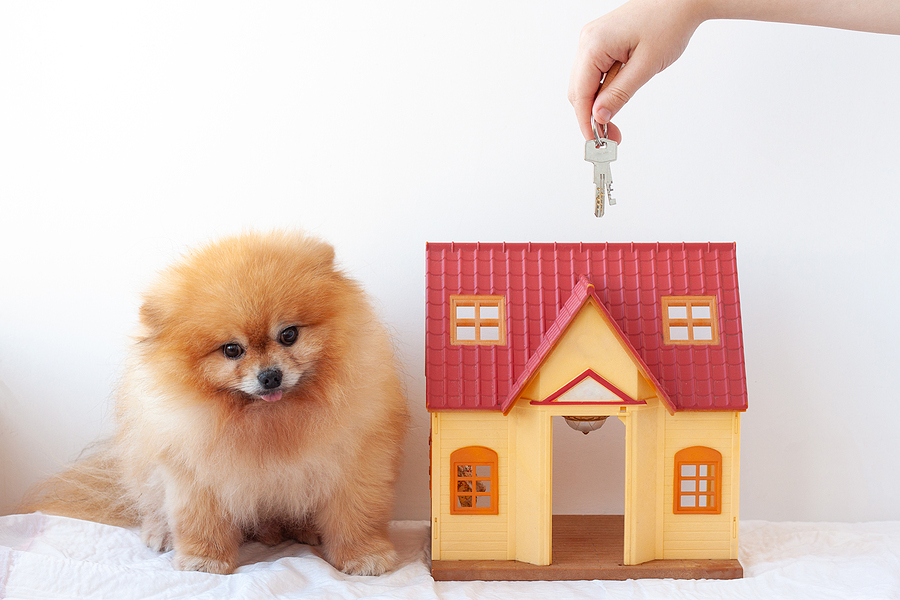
column 132, row 130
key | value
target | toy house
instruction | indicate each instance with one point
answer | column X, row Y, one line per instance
column 517, row 333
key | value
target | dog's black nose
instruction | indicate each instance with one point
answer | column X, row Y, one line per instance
column 270, row 379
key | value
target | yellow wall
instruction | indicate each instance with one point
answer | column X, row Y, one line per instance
column 523, row 442
column 702, row 536
column 533, row 505
column 459, row 537
column 643, row 479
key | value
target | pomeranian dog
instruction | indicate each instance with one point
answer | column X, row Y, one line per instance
column 261, row 401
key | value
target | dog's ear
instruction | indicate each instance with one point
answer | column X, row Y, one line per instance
column 316, row 253
column 325, row 255
column 152, row 316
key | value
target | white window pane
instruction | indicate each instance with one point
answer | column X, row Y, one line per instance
column 703, row 501
column 465, row 312
column 489, row 312
column 482, row 470
column 490, row 334
column 465, row 333
column 703, row 483
column 678, row 312
column 703, row 333
column 678, row 333
column 702, row 470
column 688, row 470
column 700, row 312
column 688, row 501
column 482, row 501
column 689, row 485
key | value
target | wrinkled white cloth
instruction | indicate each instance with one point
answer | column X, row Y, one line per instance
column 44, row 557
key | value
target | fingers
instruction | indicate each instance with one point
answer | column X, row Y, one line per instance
column 620, row 90
column 585, row 105
column 583, row 115
column 583, row 109
column 593, row 59
column 583, row 85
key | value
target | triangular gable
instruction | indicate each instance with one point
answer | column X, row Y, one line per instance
column 589, row 388
column 581, row 294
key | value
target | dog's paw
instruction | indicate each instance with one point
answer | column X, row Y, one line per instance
column 156, row 538
column 371, row 564
column 372, row 558
column 186, row 562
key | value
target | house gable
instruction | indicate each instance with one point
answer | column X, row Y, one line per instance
column 585, row 338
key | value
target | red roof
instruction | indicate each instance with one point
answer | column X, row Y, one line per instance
column 545, row 285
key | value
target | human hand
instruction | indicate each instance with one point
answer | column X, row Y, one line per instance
column 646, row 36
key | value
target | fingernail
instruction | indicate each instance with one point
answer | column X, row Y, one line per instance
column 603, row 115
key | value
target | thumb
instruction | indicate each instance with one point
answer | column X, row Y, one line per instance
column 619, row 89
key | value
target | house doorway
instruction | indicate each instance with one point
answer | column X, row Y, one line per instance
column 588, row 493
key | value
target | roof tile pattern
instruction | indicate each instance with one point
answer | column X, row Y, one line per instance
column 538, row 280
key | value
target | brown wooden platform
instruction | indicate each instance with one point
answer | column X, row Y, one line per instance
column 585, row 547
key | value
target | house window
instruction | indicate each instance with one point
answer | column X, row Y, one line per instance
column 477, row 320
column 690, row 320
column 698, row 481
column 473, row 481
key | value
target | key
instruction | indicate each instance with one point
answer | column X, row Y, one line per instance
column 601, row 152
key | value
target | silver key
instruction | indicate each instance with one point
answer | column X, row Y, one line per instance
column 601, row 152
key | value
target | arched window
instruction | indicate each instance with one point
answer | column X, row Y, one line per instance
column 473, row 481
column 698, row 481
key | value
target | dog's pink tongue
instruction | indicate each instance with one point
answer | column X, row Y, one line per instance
column 273, row 397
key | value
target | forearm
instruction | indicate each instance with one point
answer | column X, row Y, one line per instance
column 877, row 16
column 649, row 35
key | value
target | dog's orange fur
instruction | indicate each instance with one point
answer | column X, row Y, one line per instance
column 202, row 460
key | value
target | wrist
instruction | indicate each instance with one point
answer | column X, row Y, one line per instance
column 706, row 10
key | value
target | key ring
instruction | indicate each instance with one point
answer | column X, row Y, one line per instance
column 597, row 141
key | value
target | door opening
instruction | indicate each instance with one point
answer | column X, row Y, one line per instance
column 588, row 492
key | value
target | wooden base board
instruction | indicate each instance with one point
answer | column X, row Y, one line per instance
column 585, row 547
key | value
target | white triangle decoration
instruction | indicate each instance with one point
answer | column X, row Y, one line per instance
column 588, row 390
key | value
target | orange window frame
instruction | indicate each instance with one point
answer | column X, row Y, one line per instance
column 700, row 312
column 473, row 481
column 481, row 315
column 698, row 481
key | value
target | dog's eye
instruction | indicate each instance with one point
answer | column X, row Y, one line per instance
column 289, row 336
column 232, row 350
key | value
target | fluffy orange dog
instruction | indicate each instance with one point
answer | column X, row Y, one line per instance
column 260, row 401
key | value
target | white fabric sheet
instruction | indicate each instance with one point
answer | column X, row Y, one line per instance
column 53, row 557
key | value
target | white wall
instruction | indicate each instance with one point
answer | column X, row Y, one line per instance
column 131, row 130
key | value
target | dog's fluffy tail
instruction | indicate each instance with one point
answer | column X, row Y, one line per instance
column 91, row 489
